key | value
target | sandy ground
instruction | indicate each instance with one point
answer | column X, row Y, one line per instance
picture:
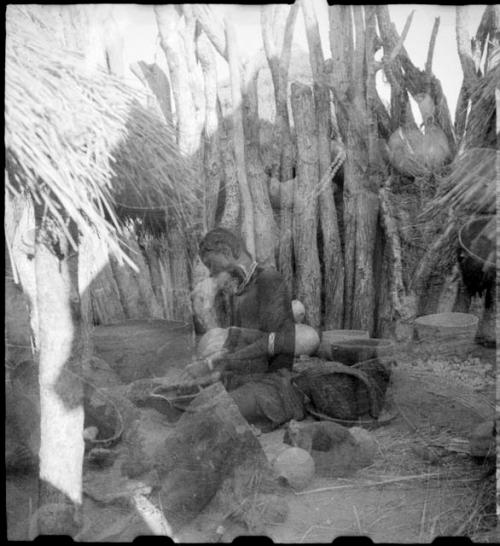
column 422, row 483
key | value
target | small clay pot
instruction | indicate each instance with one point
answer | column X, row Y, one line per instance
column 351, row 352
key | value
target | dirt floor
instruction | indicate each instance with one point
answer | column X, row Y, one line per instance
column 423, row 482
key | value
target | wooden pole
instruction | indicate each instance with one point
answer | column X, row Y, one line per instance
column 333, row 280
column 61, row 393
column 247, row 222
column 305, row 217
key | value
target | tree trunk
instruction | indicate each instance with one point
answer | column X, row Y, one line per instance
column 151, row 251
column 212, row 152
column 305, row 204
column 61, row 393
column 247, row 216
column 180, row 274
column 391, row 308
column 167, row 20
column 360, row 221
column 143, row 276
column 263, row 213
column 436, row 262
column 152, row 76
column 104, row 292
column 20, row 238
column 279, row 63
column 333, row 273
column 166, row 287
column 194, row 70
column 232, row 206
column 128, row 287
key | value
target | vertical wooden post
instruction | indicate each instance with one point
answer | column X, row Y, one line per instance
column 248, row 231
column 279, row 63
column 211, row 131
column 333, row 273
column 305, row 200
column 61, row 393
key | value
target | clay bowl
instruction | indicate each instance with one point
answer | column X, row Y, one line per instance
column 102, row 413
column 332, row 336
column 450, row 333
column 352, row 351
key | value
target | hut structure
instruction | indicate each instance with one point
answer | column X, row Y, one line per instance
column 99, row 204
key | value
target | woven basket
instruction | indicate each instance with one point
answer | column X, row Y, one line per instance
column 460, row 327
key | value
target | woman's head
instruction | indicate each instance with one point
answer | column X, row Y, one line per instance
column 222, row 250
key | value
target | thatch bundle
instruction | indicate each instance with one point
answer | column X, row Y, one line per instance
column 471, row 185
column 79, row 140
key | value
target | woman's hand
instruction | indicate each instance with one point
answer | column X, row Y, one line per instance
column 205, row 367
column 212, row 343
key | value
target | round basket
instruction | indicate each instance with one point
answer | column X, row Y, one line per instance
column 457, row 328
column 177, row 396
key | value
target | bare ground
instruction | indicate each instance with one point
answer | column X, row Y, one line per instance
column 422, row 484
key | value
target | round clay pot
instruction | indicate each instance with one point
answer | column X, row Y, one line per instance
column 455, row 331
column 352, row 351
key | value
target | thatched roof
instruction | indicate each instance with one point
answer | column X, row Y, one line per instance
column 77, row 141
column 471, row 186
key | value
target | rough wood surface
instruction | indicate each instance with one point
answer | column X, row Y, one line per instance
column 278, row 55
column 168, row 22
column 128, row 286
column 152, row 76
column 305, row 204
column 61, row 393
column 212, row 128
column 333, row 271
column 263, row 214
column 102, row 287
column 180, row 274
column 247, row 214
column 231, row 213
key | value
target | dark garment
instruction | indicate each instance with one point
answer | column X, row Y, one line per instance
column 267, row 400
column 264, row 306
column 259, row 383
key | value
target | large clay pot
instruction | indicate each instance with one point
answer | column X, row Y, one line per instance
column 138, row 349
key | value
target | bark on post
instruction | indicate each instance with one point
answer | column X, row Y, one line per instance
column 247, row 221
column 333, row 273
column 360, row 199
column 20, row 232
column 98, row 283
column 305, row 228
column 279, row 63
column 167, row 20
column 212, row 128
column 179, row 274
column 61, row 393
column 152, row 76
column 232, row 206
column 194, row 70
column 263, row 213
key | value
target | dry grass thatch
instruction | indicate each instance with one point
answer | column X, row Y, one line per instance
column 471, row 186
column 78, row 141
